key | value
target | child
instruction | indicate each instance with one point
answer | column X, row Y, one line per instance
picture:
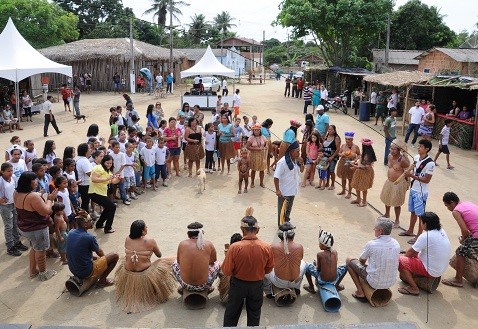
column 443, row 144
column 74, row 196
column 161, row 154
column 322, row 169
column 218, row 107
column 162, row 125
column 147, row 154
column 214, row 115
column 122, row 141
column 119, row 162
column 209, row 145
column 54, row 172
column 129, row 171
column 254, row 121
column 58, row 216
column 312, row 151
column 59, row 163
column 325, row 269
column 69, row 166
column 61, row 183
column 246, row 130
column 363, row 176
column 243, row 166
column 49, row 152
column 114, row 127
column 217, row 155
column 236, row 140
column 136, row 124
column 30, row 153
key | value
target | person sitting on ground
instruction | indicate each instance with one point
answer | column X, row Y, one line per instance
column 325, row 269
column 289, row 268
column 140, row 283
column 466, row 216
column 196, row 266
column 79, row 252
column 382, row 254
column 427, row 257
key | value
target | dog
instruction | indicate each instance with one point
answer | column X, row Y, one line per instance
column 201, row 180
column 79, row 117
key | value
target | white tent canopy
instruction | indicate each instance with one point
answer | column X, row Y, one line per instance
column 20, row 60
column 208, row 65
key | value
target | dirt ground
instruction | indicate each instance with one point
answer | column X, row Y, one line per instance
column 168, row 211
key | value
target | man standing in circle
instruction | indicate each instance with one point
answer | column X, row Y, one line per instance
column 225, row 91
column 169, row 81
column 389, row 127
column 416, row 114
column 247, row 262
column 49, row 117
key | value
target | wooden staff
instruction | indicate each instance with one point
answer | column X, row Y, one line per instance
column 402, row 176
column 282, row 211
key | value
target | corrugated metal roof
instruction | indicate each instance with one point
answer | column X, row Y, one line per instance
column 458, row 54
column 195, row 54
column 398, row 57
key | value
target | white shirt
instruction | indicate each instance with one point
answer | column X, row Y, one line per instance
column 214, row 118
column 118, row 160
column 47, row 106
column 224, row 84
column 128, row 171
column 83, row 167
column 159, row 79
column 434, row 250
column 373, row 97
column 210, row 141
column 120, row 121
column 445, row 135
column 148, row 156
column 236, row 100
column 15, row 147
column 129, row 115
column 392, row 101
column 382, row 254
column 416, row 114
column 324, row 94
column 288, row 179
column 246, row 130
column 18, row 168
column 65, row 199
column 196, row 80
column 160, row 153
column 428, row 169
column 7, row 188
column 32, row 156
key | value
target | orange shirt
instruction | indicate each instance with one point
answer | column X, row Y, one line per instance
column 249, row 259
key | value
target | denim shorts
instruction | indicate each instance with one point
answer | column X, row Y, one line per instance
column 39, row 240
column 417, row 202
column 148, row 172
column 129, row 182
column 175, row 151
column 161, row 170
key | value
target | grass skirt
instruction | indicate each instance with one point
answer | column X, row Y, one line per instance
column 394, row 195
column 362, row 179
column 343, row 170
column 258, row 160
column 226, row 150
column 141, row 291
column 223, row 288
column 194, row 152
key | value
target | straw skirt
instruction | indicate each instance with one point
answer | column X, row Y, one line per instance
column 362, row 179
column 258, row 160
column 394, row 195
column 226, row 150
column 343, row 169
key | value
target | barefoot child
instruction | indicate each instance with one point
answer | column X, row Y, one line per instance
column 61, row 183
column 210, row 146
column 322, row 169
column 325, row 269
column 312, row 151
column 443, row 144
column 243, row 166
column 61, row 227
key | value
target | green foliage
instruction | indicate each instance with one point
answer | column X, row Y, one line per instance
column 223, row 21
column 287, row 53
column 341, row 28
column 160, row 9
column 416, row 25
column 41, row 23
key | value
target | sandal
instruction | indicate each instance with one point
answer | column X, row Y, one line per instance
column 52, row 254
column 309, row 289
column 104, row 284
column 110, row 231
column 47, row 275
column 406, row 291
column 361, row 299
column 405, row 233
column 452, row 283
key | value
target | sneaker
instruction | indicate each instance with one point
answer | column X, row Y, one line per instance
column 13, row 252
column 115, row 203
column 21, row 247
column 127, row 202
column 148, row 185
column 413, row 145
column 133, row 196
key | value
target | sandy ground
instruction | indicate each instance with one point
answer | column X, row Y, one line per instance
column 168, row 211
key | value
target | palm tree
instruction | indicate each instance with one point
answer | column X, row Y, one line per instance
column 198, row 28
column 160, row 8
column 223, row 21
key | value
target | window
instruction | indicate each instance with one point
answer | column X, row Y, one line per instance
column 426, row 70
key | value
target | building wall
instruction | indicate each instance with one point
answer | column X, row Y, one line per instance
column 437, row 62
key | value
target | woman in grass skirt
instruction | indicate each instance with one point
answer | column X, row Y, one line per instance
column 363, row 172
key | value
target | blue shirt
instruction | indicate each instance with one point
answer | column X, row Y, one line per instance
column 169, row 78
column 152, row 119
column 289, row 136
column 79, row 251
column 321, row 122
column 265, row 132
column 226, row 133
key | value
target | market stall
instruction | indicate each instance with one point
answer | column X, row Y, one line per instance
column 207, row 65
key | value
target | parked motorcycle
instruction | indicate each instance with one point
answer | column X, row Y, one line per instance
column 338, row 103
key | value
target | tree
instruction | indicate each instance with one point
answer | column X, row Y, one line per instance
column 198, row 28
column 339, row 27
column 160, row 8
column 41, row 23
column 418, row 26
column 114, row 27
column 92, row 12
column 223, row 22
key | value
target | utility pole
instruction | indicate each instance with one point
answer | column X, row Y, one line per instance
column 171, row 40
column 132, row 78
column 261, row 62
column 222, row 40
column 387, row 45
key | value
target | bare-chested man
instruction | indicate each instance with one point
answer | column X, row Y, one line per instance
column 196, row 266
column 325, row 269
column 289, row 268
column 393, row 195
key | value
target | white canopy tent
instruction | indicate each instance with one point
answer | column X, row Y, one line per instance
column 21, row 60
column 208, row 65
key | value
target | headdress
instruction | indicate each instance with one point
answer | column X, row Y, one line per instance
column 349, row 134
column 295, row 123
column 366, row 141
column 288, row 159
column 249, row 211
column 286, row 229
column 256, row 126
column 326, row 238
column 400, row 144
column 200, row 239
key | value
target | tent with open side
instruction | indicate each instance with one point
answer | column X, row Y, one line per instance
column 21, row 60
column 208, row 65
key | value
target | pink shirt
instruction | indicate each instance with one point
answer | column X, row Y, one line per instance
column 169, row 133
column 469, row 213
column 313, row 151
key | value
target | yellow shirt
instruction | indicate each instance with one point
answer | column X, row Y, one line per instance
column 99, row 188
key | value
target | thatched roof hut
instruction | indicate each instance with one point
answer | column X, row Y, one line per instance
column 102, row 58
column 398, row 78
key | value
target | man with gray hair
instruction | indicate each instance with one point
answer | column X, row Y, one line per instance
column 382, row 254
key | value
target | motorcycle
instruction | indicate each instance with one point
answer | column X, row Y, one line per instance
column 337, row 103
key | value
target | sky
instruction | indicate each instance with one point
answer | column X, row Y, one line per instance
column 252, row 17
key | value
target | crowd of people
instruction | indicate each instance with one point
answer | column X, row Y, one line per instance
column 52, row 201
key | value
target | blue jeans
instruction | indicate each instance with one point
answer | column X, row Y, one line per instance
column 122, row 190
column 9, row 216
column 388, row 142
column 412, row 127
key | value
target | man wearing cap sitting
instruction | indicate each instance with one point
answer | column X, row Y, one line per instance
column 382, row 254
column 289, row 268
column 196, row 266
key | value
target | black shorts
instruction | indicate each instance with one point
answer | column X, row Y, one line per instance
column 444, row 149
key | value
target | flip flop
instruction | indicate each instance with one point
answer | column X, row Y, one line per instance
column 331, row 188
column 405, row 233
column 110, row 231
column 412, row 241
column 107, row 283
column 308, row 288
column 452, row 283
column 405, row 291
column 360, row 298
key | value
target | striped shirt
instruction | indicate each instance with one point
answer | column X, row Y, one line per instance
column 307, row 94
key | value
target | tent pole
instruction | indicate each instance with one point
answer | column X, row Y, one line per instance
column 17, row 105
